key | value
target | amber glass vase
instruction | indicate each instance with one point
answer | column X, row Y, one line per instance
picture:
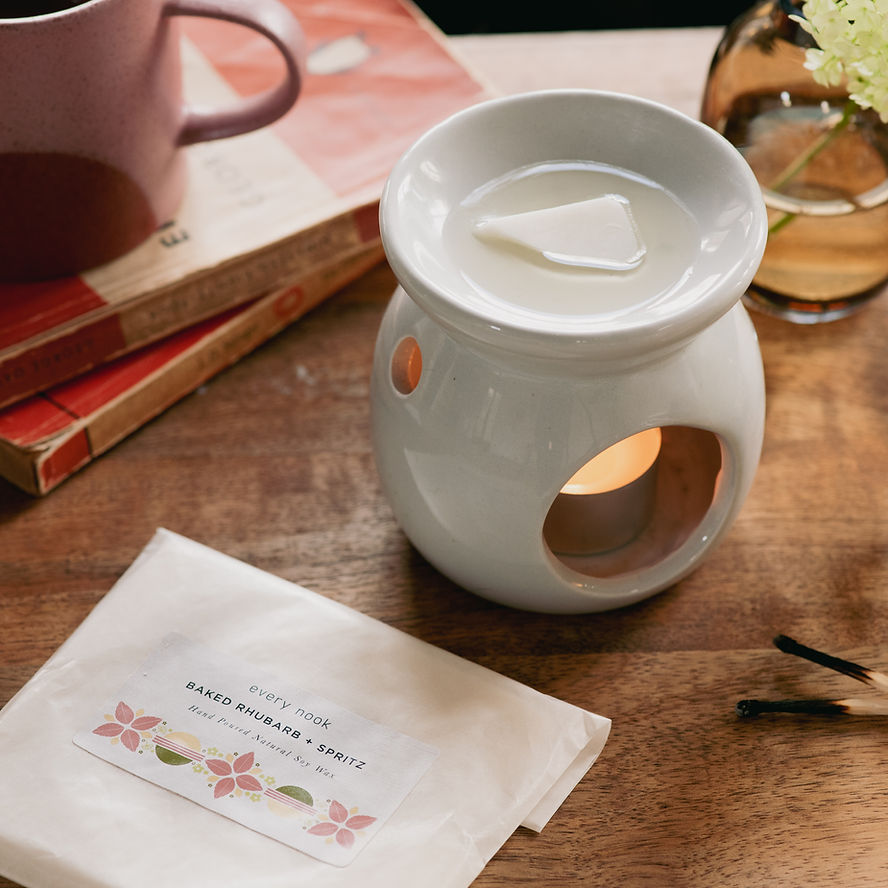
column 822, row 163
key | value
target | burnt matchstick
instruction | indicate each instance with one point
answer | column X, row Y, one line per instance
column 851, row 706
column 854, row 670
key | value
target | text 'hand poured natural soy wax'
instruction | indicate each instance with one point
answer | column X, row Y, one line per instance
column 572, row 237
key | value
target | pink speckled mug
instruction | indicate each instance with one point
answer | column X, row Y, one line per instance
column 92, row 122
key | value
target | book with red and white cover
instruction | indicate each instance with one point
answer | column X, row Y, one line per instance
column 47, row 437
column 262, row 210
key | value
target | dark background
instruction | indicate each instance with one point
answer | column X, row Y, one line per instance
column 500, row 16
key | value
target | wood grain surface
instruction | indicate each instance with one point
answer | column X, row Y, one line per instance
column 271, row 463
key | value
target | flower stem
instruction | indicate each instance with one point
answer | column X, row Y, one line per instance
column 815, row 147
column 791, row 171
column 785, row 219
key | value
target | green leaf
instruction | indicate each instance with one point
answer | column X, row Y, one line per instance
column 298, row 793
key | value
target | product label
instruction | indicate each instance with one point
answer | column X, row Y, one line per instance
column 276, row 758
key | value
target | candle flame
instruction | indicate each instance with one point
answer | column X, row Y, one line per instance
column 619, row 465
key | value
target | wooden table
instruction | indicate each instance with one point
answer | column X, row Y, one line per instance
column 271, row 463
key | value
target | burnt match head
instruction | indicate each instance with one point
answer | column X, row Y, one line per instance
column 752, row 708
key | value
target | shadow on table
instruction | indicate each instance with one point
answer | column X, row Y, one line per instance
column 13, row 501
column 446, row 615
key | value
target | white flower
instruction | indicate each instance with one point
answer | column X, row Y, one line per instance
column 852, row 44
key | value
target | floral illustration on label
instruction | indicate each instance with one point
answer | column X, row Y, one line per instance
column 127, row 726
column 231, row 775
column 341, row 826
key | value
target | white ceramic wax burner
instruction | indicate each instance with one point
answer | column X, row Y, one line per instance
column 568, row 400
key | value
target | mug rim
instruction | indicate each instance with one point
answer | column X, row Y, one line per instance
column 6, row 21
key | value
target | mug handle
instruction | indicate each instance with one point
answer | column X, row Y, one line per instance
column 274, row 21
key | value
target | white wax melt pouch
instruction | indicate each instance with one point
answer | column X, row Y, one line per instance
column 210, row 724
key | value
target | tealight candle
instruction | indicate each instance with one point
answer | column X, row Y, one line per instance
column 608, row 502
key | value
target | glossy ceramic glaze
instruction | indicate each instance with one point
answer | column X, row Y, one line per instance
column 94, row 122
column 473, row 449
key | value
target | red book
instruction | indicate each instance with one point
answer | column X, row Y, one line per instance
column 49, row 436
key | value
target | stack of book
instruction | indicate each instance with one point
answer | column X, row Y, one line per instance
column 273, row 223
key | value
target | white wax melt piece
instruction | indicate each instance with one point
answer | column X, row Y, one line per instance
column 596, row 233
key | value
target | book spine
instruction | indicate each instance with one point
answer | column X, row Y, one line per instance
column 32, row 368
column 19, row 467
column 75, row 349
column 40, row 468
